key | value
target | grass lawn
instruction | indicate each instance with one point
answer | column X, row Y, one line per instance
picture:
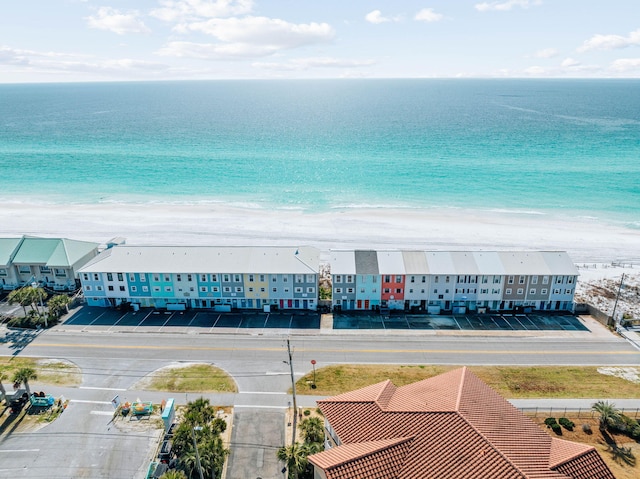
column 190, row 378
column 49, row 371
column 510, row 381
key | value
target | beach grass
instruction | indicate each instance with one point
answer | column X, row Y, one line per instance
column 513, row 382
column 49, row 371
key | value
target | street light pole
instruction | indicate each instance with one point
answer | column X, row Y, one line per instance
column 195, row 445
column 613, row 314
column 313, row 363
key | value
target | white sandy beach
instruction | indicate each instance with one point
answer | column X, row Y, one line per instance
column 586, row 240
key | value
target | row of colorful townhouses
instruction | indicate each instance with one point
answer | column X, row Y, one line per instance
column 457, row 281
column 249, row 277
column 48, row 262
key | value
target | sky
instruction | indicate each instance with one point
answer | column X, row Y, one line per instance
column 133, row 40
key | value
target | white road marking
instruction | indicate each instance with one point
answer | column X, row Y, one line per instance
column 89, row 402
column 102, row 389
column 260, row 392
column 18, row 450
column 102, row 413
column 259, row 407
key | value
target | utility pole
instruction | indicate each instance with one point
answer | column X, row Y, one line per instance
column 293, row 388
column 613, row 315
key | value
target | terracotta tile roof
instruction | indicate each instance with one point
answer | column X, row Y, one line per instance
column 459, row 428
column 366, row 459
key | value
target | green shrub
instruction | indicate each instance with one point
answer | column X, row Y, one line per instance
column 566, row 423
column 586, row 428
column 307, row 412
column 550, row 421
column 556, row 428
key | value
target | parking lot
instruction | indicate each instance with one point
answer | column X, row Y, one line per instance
column 199, row 321
column 183, row 321
column 476, row 322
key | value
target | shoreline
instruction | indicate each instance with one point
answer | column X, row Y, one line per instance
column 585, row 239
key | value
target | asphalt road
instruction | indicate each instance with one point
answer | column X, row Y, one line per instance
column 82, row 443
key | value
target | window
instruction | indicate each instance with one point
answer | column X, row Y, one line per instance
column 544, row 291
column 143, row 277
column 446, row 279
column 85, row 275
column 215, row 289
column 191, row 288
column 507, row 291
column 156, row 289
column 534, row 280
column 299, row 278
column 435, row 291
column 285, row 279
column 121, row 288
column 95, row 277
column 167, row 278
column 239, row 289
column 570, row 280
column 350, row 290
column 109, row 277
column 338, row 278
column 387, row 290
column 349, row 279
column 567, row 291
column 410, row 290
column 214, row 277
column 374, row 279
column 156, row 277
column 521, row 280
column 120, row 277
column 250, row 290
column 189, row 277
column 60, row 272
column 226, row 289
column 275, row 290
column 311, row 278
column 286, row 290
column 237, row 278
column 398, row 290
column 484, row 291
column 424, row 279
column 134, row 289
column 446, row 291
column 311, row 289
column 179, row 277
column 440, row 296
column 167, row 289
column 110, row 288
column 99, row 288
column 398, row 279
column 485, row 280
column 274, row 279
column 87, row 288
column 387, row 278
column 558, row 280
column 520, row 291
column 132, row 277
column 532, row 291
column 435, row 279
column 225, row 278
column 495, row 291
column 497, row 279
column 203, row 278
column 24, row 269
column 556, row 291
column 510, row 281
column 262, row 278
column 474, row 279
column 298, row 289
column 250, row 278
column 545, row 280
column 338, row 302
column 262, row 290
column 338, row 290
column 203, row 289
column 374, row 290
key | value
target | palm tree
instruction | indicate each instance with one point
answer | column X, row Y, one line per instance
column 312, row 430
column 609, row 414
column 173, row 474
column 24, row 375
column 295, row 458
column 59, row 304
column 21, row 297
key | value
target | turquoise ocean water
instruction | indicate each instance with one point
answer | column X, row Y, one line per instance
column 549, row 147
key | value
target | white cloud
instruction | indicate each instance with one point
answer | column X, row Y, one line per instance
column 535, row 71
column 626, row 64
column 182, row 10
column 248, row 36
column 546, row 53
column 113, row 20
column 315, row 62
column 376, row 17
column 569, row 63
column 610, row 42
column 428, row 15
column 506, row 5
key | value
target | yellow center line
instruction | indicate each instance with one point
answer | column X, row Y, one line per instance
column 326, row 350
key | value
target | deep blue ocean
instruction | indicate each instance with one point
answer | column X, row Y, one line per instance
column 569, row 147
